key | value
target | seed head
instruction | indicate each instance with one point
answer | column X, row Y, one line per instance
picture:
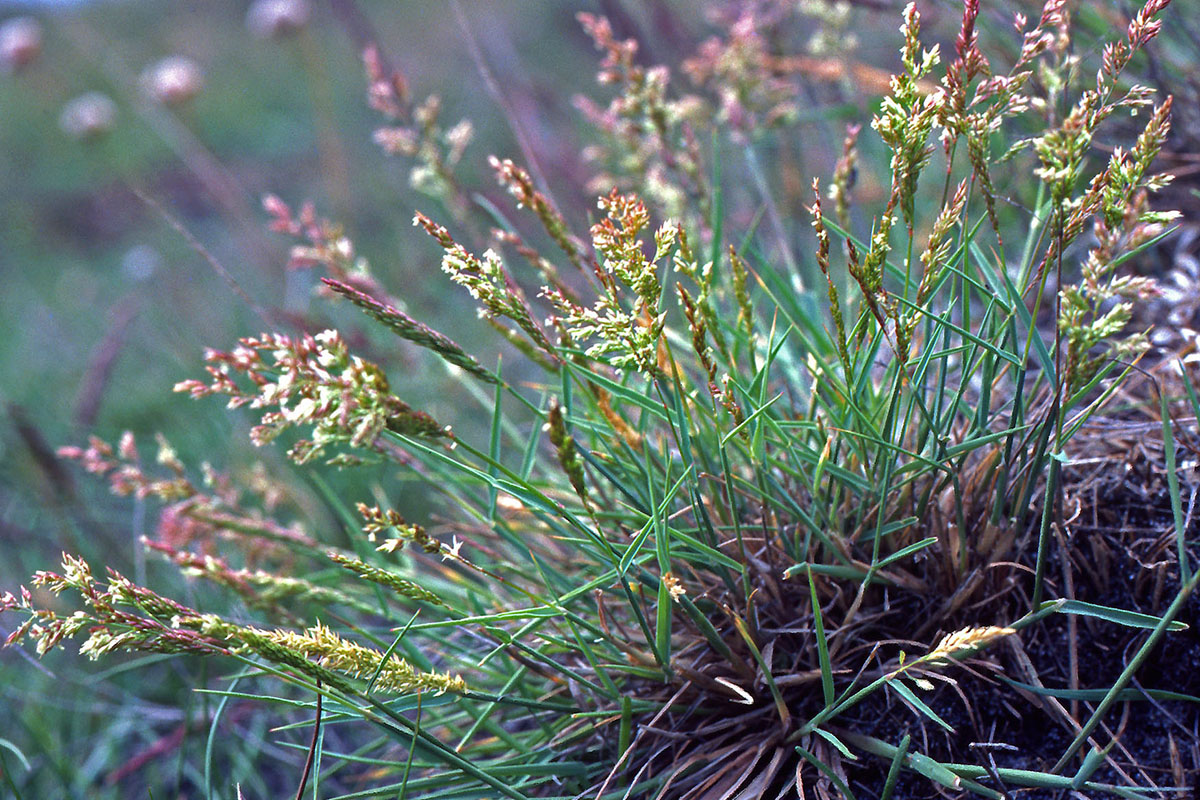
column 967, row 641
column 277, row 19
column 674, row 586
column 173, row 81
column 88, row 117
column 20, row 43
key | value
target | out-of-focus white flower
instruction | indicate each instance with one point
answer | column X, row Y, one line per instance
column 20, row 43
column 173, row 81
column 88, row 116
column 277, row 19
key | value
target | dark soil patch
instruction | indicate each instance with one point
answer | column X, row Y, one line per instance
column 1118, row 549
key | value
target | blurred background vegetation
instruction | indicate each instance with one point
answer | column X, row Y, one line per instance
column 104, row 305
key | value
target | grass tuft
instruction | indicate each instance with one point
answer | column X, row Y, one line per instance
column 747, row 538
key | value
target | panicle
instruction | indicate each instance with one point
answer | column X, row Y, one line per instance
column 312, row 382
column 389, row 521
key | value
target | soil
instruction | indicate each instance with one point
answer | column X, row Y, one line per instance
column 1120, row 547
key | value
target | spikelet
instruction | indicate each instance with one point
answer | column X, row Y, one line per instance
column 965, row 641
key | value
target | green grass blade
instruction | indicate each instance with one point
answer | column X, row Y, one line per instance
column 1177, row 605
column 905, row 552
column 16, row 751
column 828, row 772
column 893, row 773
column 822, row 644
column 210, row 741
column 1130, row 619
column 1185, row 568
column 1091, row 763
column 908, row 694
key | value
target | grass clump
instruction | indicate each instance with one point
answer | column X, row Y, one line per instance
column 748, row 522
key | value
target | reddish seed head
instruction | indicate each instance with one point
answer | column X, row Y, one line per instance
column 173, row 81
column 20, row 43
column 277, row 19
column 89, row 116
